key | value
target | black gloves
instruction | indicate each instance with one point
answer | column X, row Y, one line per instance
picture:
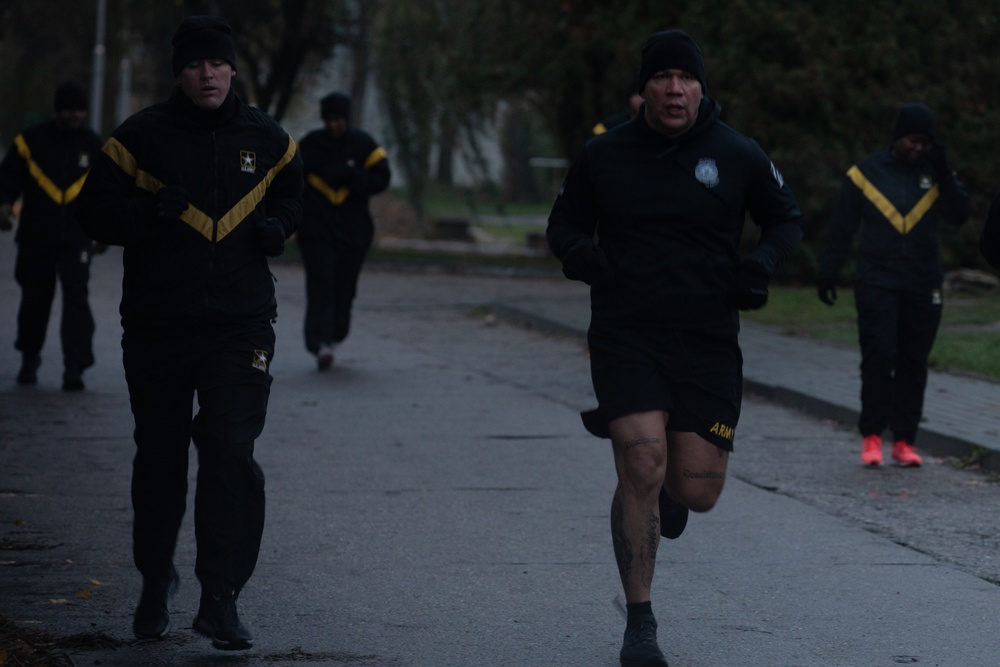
column 827, row 292
column 339, row 175
column 270, row 236
column 171, row 201
column 585, row 261
column 938, row 158
column 750, row 285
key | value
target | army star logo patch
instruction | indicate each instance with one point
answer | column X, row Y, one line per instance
column 260, row 359
column 248, row 162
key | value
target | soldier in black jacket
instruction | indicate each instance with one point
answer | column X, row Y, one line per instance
column 344, row 168
column 665, row 194
column 200, row 190
column 46, row 165
column 897, row 197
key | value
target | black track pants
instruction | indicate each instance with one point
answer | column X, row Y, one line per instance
column 37, row 268
column 896, row 329
column 332, row 271
column 227, row 371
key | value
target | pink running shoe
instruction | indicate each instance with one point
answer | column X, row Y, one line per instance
column 871, row 450
column 905, row 455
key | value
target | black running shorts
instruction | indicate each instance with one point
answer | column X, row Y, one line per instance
column 696, row 378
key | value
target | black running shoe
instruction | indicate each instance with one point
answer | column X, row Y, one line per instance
column 639, row 648
column 217, row 619
column 73, row 379
column 29, row 369
column 673, row 516
column 152, row 616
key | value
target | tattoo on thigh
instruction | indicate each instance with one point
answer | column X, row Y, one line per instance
column 703, row 475
column 629, row 444
column 620, row 541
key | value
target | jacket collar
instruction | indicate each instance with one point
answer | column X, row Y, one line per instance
column 708, row 114
column 206, row 119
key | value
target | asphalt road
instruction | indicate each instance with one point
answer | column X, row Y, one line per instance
column 433, row 501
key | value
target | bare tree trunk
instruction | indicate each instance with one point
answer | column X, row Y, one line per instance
column 361, row 56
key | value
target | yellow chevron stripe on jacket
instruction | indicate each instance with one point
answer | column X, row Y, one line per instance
column 902, row 223
column 337, row 196
column 194, row 217
column 61, row 197
column 375, row 156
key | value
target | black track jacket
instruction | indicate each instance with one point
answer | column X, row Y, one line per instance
column 342, row 173
column 898, row 205
column 48, row 167
column 237, row 166
column 669, row 216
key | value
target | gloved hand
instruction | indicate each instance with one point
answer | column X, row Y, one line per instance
column 6, row 217
column 827, row 292
column 270, row 236
column 938, row 158
column 585, row 261
column 171, row 201
column 749, row 291
column 338, row 175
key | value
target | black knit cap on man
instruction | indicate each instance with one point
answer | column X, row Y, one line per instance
column 914, row 118
column 70, row 96
column 71, row 105
column 202, row 38
column 672, row 49
column 335, row 105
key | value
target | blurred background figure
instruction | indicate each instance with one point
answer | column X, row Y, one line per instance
column 344, row 168
column 45, row 167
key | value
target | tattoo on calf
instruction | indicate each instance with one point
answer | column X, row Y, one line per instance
column 648, row 560
column 620, row 541
column 629, row 444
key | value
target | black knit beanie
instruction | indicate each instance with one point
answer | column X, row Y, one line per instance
column 202, row 38
column 70, row 96
column 335, row 105
column 913, row 118
column 672, row 49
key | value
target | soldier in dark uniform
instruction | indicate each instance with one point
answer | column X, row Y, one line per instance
column 650, row 215
column 897, row 197
column 344, row 167
column 200, row 190
column 46, row 166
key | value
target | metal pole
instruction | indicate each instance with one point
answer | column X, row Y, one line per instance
column 122, row 110
column 97, row 76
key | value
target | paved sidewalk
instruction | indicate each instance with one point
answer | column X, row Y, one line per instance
column 961, row 415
